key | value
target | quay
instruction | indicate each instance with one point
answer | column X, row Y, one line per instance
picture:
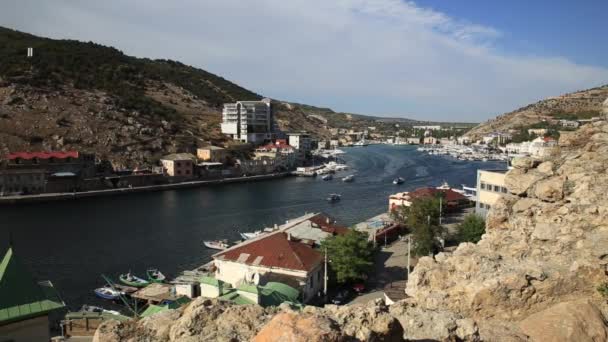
column 22, row 199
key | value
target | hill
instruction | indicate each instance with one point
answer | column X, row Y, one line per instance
column 578, row 105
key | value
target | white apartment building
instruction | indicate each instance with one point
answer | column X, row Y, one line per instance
column 301, row 141
column 538, row 147
column 431, row 128
column 248, row 121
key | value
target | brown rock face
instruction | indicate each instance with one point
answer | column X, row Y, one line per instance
column 293, row 327
column 578, row 321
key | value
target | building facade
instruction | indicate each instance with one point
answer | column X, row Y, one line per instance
column 178, row 165
column 22, row 181
column 214, row 154
column 271, row 258
column 490, row 187
column 248, row 121
column 78, row 163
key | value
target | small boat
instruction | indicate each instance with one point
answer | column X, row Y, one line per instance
column 216, row 244
column 398, row 180
column 327, row 177
column 348, row 178
column 93, row 308
column 333, row 198
column 155, row 275
column 251, row 235
column 107, row 293
column 132, row 280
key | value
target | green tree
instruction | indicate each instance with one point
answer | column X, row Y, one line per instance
column 471, row 229
column 422, row 218
column 350, row 255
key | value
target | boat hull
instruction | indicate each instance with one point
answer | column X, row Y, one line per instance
column 107, row 296
column 137, row 284
column 154, row 279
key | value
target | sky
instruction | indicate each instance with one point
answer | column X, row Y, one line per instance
column 442, row 60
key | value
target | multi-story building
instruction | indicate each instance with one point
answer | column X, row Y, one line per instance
column 214, row 154
column 284, row 154
column 413, row 141
column 78, row 163
column 248, row 121
column 490, row 187
column 274, row 257
column 430, row 140
column 539, row 147
column 300, row 141
column 431, row 127
column 22, row 181
column 178, row 164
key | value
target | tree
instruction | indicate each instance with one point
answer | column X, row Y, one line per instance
column 471, row 229
column 350, row 255
column 422, row 218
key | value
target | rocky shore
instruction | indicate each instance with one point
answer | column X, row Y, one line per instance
column 533, row 276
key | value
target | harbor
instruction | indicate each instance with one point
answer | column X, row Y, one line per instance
column 166, row 230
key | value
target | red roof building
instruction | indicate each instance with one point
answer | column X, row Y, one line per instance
column 451, row 198
column 43, row 155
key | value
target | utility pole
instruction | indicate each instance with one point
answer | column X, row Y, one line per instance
column 325, row 277
column 440, row 209
column 409, row 246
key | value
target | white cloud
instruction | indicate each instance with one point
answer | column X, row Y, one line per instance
column 386, row 57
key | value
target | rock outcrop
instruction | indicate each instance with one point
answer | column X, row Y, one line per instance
column 532, row 277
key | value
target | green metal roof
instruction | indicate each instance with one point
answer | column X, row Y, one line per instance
column 248, row 288
column 214, row 282
column 273, row 294
column 21, row 296
column 237, row 298
column 152, row 309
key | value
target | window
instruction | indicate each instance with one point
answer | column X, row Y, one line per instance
column 482, row 185
column 178, row 164
column 496, row 188
column 179, row 172
column 187, row 172
column 503, row 189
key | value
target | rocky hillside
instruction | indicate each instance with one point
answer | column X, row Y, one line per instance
column 534, row 276
column 581, row 104
column 89, row 97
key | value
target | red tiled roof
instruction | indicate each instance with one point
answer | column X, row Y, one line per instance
column 450, row 195
column 274, row 250
column 279, row 145
column 329, row 227
column 42, row 155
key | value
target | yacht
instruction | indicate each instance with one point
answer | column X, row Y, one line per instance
column 327, row 177
column 398, row 181
column 333, row 198
column 217, row 244
column 348, row 178
column 360, row 143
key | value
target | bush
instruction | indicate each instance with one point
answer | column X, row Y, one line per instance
column 471, row 229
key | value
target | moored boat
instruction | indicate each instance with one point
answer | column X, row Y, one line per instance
column 131, row 280
column 398, row 180
column 334, row 197
column 251, row 235
column 155, row 275
column 327, row 177
column 216, row 244
column 107, row 293
column 93, row 308
column 348, row 178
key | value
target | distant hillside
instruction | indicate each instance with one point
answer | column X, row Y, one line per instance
column 94, row 98
column 581, row 104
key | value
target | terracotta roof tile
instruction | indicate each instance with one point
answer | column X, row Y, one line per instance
column 42, row 155
column 274, row 250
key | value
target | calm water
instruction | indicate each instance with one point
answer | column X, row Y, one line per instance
column 71, row 243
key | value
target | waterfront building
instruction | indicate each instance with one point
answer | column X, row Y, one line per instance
column 22, row 181
column 25, row 304
column 430, row 140
column 499, row 137
column 539, row 147
column 259, row 166
column 490, row 187
column 413, row 141
column 284, row 154
column 428, row 127
column 178, row 165
column 313, row 228
column 214, row 154
column 380, row 229
column 452, row 200
column 78, row 163
column 274, row 257
column 300, row 140
column 248, row 121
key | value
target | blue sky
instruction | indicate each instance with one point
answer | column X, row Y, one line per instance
column 444, row 60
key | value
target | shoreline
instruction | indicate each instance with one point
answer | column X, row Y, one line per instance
column 66, row 196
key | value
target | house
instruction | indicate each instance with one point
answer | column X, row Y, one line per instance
column 25, row 304
column 538, row 131
column 569, row 123
column 413, row 141
column 499, row 137
column 214, row 154
column 178, row 164
column 81, row 164
column 380, row 229
column 274, row 257
column 430, row 140
column 313, row 228
column 248, row 121
column 490, row 187
column 539, row 147
column 451, row 199
column 284, row 154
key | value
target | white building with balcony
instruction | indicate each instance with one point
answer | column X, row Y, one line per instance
column 248, row 121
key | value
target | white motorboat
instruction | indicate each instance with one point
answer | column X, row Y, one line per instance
column 348, row 178
column 360, row 143
column 398, row 181
column 216, row 244
column 327, row 177
column 333, row 197
column 251, row 235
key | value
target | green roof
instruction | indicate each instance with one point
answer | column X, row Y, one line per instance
column 273, row 294
column 152, row 309
column 103, row 316
column 21, row 297
column 214, row 282
column 237, row 298
column 248, row 288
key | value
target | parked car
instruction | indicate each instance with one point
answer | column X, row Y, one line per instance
column 341, row 297
column 359, row 288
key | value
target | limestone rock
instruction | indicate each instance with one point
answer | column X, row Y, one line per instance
column 578, row 321
column 550, row 190
column 293, row 327
column 519, row 180
column 523, row 163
